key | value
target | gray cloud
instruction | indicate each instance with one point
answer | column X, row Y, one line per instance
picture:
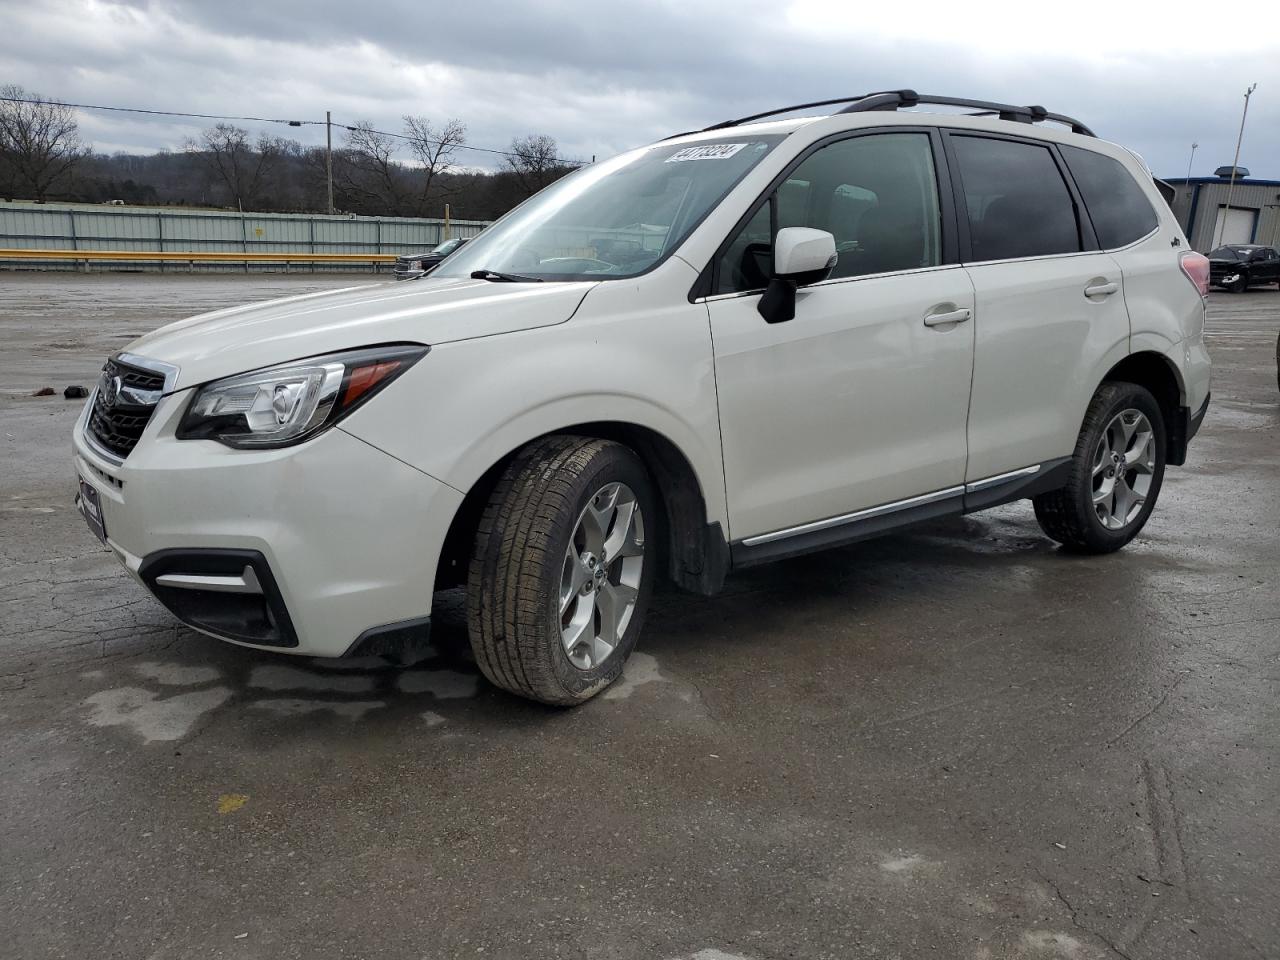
column 602, row 77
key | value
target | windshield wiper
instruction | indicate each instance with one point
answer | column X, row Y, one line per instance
column 493, row 276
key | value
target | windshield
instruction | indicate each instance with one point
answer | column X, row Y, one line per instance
column 448, row 246
column 613, row 219
column 1227, row 253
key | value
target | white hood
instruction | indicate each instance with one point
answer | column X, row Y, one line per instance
column 226, row 342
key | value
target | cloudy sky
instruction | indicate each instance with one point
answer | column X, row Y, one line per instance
column 603, row 76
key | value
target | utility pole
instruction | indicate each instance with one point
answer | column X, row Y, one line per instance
column 1235, row 164
column 1190, row 192
column 328, row 157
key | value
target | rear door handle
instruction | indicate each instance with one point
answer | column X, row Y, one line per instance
column 1101, row 290
column 954, row 316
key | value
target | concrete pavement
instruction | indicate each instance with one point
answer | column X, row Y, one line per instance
column 957, row 742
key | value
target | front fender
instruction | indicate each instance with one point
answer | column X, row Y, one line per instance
column 562, row 414
column 470, row 403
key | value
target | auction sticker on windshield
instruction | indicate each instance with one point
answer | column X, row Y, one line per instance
column 712, row 151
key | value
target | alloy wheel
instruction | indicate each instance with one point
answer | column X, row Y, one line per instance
column 1123, row 466
column 600, row 578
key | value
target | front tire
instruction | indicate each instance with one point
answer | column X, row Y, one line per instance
column 1115, row 473
column 1238, row 285
column 562, row 569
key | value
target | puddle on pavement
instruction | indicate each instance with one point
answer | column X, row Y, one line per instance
column 349, row 690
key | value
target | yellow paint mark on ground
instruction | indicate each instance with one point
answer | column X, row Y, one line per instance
column 231, row 802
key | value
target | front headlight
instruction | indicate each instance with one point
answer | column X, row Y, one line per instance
column 286, row 404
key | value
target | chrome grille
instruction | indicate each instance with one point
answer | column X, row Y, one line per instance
column 122, row 406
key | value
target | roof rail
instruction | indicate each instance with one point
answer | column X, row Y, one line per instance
column 893, row 100
column 897, row 99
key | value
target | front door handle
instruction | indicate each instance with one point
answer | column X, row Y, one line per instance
column 1101, row 289
column 953, row 316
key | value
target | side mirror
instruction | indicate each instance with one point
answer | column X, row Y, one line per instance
column 801, row 256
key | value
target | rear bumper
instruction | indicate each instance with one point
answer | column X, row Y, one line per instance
column 305, row 549
column 1183, row 430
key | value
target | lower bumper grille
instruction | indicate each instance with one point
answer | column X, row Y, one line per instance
column 229, row 593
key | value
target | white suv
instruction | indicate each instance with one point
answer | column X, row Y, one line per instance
column 727, row 347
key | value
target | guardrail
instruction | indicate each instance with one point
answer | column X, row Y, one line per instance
column 194, row 256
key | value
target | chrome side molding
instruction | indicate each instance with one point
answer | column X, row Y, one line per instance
column 857, row 515
column 894, row 507
column 1001, row 478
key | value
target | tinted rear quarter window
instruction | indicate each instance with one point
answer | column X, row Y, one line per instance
column 1117, row 206
column 1017, row 201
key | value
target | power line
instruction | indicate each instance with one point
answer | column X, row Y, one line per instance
column 161, row 113
column 290, row 123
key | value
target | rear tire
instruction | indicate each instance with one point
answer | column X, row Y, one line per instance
column 562, row 569
column 1115, row 473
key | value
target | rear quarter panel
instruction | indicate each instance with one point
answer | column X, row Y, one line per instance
column 1166, row 312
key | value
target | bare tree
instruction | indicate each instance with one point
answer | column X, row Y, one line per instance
column 367, row 171
column 243, row 168
column 39, row 142
column 434, row 149
column 534, row 161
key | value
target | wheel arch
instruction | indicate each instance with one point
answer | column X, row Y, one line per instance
column 1157, row 373
column 695, row 549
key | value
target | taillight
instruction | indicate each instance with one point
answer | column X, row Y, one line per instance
column 1196, row 267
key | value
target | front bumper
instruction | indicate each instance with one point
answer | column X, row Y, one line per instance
column 313, row 546
column 412, row 269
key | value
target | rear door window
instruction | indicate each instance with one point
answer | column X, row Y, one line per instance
column 1117, row 206
column 1017, row 202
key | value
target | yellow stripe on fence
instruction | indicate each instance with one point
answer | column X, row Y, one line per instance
column 196, row 256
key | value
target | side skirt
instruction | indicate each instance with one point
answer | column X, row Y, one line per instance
column 887, row 518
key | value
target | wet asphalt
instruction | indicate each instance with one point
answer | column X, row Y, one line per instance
column 957, row 742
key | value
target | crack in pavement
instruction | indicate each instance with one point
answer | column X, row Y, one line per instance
column 1075, row 918
column 1156, row 706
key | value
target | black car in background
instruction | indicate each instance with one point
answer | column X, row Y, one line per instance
column 415, row 265
column 1238, row 266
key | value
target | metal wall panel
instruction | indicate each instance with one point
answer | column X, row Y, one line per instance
column 49, row 226
column 1198, row 205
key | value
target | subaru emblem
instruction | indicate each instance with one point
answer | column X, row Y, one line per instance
column 111, row 390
